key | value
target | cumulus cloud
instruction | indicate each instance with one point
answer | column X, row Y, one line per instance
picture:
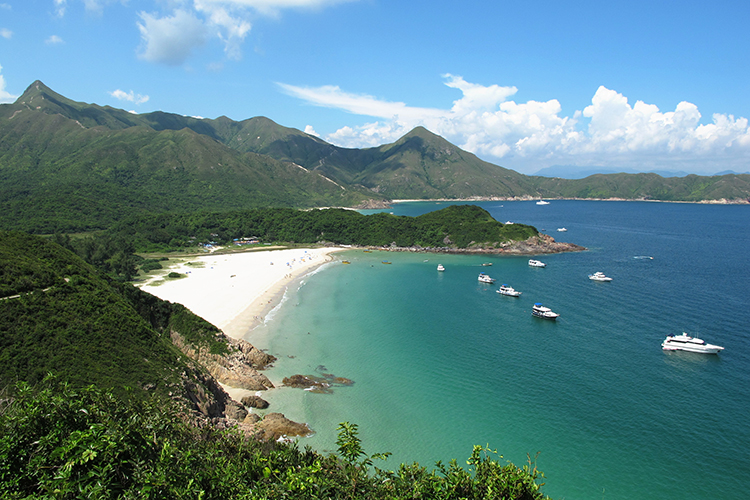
column 170, row 39
column 54, row 40
column 129, row 96
column 311, row 131
column 610, row 131
column 5, row 96
column 6, row 33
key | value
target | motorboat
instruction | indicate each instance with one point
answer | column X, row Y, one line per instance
column 509, row 291
column 542, row 202
column 485, row 278
column 685, row 342
column 536, row 263
column 345, row 262
column 599, row 276
column 441, row 267
column 561, row 229
column 486, row 264
column 540, row 311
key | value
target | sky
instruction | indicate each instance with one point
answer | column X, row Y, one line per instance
column 632, row 85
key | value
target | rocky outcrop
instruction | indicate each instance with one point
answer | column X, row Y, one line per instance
column 238, row 368
column 536, row 245
column 323, row 384
column 540, row 244
column 275, row 426
column 254, row 402
column 370, row 204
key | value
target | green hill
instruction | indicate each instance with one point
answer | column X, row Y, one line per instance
column 69, row 166
column 59, row 314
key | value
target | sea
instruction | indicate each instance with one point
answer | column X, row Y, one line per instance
column 441, row 363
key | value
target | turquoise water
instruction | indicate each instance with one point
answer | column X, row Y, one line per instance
column 442, row 362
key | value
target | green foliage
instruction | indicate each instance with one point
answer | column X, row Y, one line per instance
column 60, row 442
column 72, row 320
column 456, row 226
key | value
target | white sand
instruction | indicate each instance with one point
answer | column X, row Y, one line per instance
column 236, row 291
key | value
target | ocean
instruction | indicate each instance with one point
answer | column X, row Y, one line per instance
column 440, row 362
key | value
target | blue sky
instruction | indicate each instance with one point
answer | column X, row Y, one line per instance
column 637, row 85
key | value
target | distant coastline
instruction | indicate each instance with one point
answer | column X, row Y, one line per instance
column 720, row 201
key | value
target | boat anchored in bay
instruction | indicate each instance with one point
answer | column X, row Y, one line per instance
column 685, row 342
column 509, row 291
column 536, row 263
column 485, row 278
column 540, row 311
column 599, row 276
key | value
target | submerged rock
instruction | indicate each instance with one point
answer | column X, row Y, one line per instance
column 323, row 384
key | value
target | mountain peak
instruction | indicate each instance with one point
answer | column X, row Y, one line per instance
column 37, row 93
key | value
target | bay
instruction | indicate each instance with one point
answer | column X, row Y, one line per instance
column 441, row 362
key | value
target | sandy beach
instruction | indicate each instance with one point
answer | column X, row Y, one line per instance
column 236, row 291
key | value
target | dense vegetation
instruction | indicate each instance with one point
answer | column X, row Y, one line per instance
column 58, row 441
column 454, row 226
column 72, row 320
column 68, row 166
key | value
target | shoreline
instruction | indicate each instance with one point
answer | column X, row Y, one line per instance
column 720, row 201
column 235, row 291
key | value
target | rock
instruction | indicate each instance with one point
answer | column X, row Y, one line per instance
column 235, row 411
column 254, row 402
column 275, row 426
column 313, row 383
column 236, row 369
column 252, row 418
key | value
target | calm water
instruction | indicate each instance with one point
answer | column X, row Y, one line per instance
column 441, row 362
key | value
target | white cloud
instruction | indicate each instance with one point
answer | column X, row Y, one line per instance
column 171, row 39
column 60, row 6
column 129, row 96
column 6, row 33
column 5, row 96
column 54, row 40
column 608, row 132
column 311, row 131
column 231, row 27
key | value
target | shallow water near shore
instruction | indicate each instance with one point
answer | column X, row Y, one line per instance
column 441, row 362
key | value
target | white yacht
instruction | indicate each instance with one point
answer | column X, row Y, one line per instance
column 509, row 291
column 561, row 229
column 542, row 202
column 485, row 278
column 441, row 267
column 685, row 342
column 536, row 263
column 599, row 276
column 543, row 312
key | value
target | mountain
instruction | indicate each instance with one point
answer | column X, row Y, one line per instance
column 575, row 172
column 68, row 166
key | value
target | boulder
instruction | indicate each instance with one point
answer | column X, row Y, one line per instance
column 275, row 426
column 254, row 402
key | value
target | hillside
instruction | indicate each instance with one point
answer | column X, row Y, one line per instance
column 68, row 166
column 72, row 167
column 60, row 315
